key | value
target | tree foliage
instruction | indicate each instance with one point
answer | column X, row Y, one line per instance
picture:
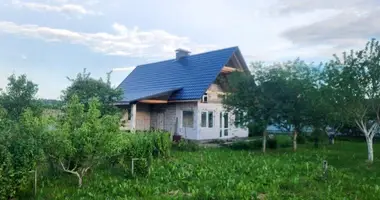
column 276, row 94
column 86, row 88
column 82, row 138
column 19, row 95
column 355, row 80
column 21, row 150
column 22, row 129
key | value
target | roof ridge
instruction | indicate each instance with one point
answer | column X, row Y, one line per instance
column 173, row 59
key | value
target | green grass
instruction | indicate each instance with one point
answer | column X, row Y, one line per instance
column 229, row 174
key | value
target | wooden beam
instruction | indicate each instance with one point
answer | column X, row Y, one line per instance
column 227, row 69
column 153, row 101
column 182, row 101
column 238, row 61
column 215, row 92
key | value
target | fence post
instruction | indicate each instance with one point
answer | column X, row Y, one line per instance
column 325, row 169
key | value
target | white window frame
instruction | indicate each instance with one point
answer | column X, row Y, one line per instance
column 207, row 119
column 206, row 125
column 182, row 125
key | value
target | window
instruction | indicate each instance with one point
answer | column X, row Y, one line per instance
column 204, row 119
column 225, row 117
column 204, row 98
column 188, row 119
column 210, row 119
column 239, row 117
column 207, row 119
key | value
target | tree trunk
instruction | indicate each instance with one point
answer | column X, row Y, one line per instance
column 79, row 181
column 369, row 134
column 264, row 141
column 370, row 149
column 295, row 133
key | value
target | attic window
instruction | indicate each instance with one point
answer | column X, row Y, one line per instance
column 204, row 98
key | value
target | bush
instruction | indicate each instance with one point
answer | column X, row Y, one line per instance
column 20, row 151
column 8, row 188
column 256, row 129
column 217, row 141
column 284, row 141
column 301, row 139
column 256, row 144
column 186, row 145
column 247, row 145
column 240, row 145
column 142, row 145
column 272, row 143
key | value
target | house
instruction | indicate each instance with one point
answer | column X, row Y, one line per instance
column 183, row 95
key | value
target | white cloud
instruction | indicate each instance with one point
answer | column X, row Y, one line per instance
column 68, row 9
column 123, row 42
column 354, row 23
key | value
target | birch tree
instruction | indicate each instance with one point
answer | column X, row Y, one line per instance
column 355, row 79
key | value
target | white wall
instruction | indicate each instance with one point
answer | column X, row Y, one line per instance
column 147, row 118
column 189, row 133
column 206, row 133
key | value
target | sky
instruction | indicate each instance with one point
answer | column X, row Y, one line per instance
column 50, row 40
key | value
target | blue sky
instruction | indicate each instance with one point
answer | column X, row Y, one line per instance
column 51, row 39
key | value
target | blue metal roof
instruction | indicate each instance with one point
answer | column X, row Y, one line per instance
column 188, row 78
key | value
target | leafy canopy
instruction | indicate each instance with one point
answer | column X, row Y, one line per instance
column 87, row 88
column 19, row 95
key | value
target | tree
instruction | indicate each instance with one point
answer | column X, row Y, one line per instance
column 355, row 80
column 324, row 113
column 82, row 139
column 50, row 103
column 86, row 88
column 252, row 99
column 19, row 94
column 21, row 150
column 292, row 83
column 22, row 128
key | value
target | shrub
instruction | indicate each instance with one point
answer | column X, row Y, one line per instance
column 241, row 145
column 284, row 141
column 301, row 139
column 256, row 129
column 83, row 139
column 272, row 143
column 141, row 145
column 20, row 151
column 8, row 188
column 247, row 145
column 186, row 145
column 217, row 141
column 162, row 143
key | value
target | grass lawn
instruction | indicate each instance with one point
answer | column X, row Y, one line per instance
column 228, row 174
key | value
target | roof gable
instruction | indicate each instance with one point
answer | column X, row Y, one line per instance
column 188, row 77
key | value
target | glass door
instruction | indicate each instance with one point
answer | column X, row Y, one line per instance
column 223, row 119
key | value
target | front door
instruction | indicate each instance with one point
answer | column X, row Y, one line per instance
column 160, row 121
column 223, row 119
